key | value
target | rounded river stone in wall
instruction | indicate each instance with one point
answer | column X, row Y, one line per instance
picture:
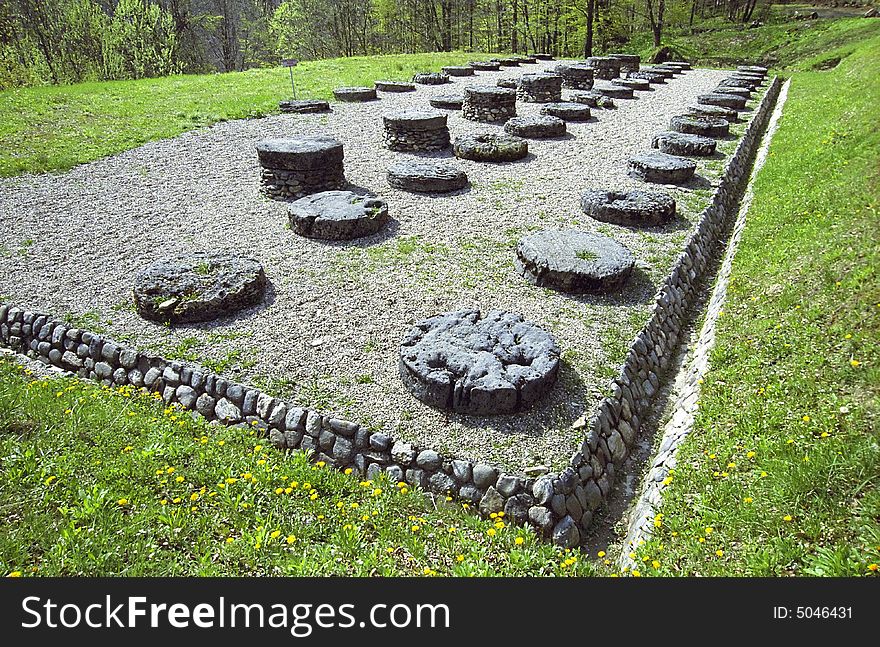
column 394, row 86
column 705, row 126
column 337, row 215
column 661, row 168
column 304, row 106
column 198, row 287
column 567, row 111
column 723, row 100
column 684, row 144
column 490, row 147
column 629, row 208
column 467, row 363
column 426, row 177
column 537, row 127
column 574, row 261
column 447, row 101
column 354, row 94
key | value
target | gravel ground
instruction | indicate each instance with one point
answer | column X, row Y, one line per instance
column 329, row 334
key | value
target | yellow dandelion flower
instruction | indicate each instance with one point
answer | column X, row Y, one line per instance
column 459, row 558
column 320, row 463
column 404, row 490
column 290, row 539
column 194, row 496
column 179, row 479
column 279, row 490
column 261, row 462
column 49, row 480
column 748, row 499
column 176, row 499
column 655, row 564
column 348, row 471
column 601, row 553
column 873, row 567
column 377, row 491
column 14, row 574
column 416, row 528
column 702, row 540
column 636, row 574
column 122, row 502
column 787, row 517
column 750, row 454
column 519, row 541
column 258, row 449
column 275, row 534
column 288, row 490
column 491, row 532
column 854, row 363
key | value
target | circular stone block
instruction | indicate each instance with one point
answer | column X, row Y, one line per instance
column 537, row 127
column 629, row 208
column 542, row 56
column 672, row 69
column 490, row 147
column 682, row 65
column 415, row 130
column 576, row 76
column 488, row 103
column 394, row 86
column 713, row 111
column 447, row 101
column 757, row 70
column 628, row 62
column 485, row 66
column 574, row 261
column 705, row 126
column 507, row 83
column 605, row 67
column 684, row 144
column 614, row 91
column 661, row 168
column 337, row 215
column 292, row 168
column 755, row 78
column 422, row 176
column 654, row 78
column 539, row 88
column 458, row 70
column 431, row 78
column 197, row 287
column 666, row 73
column 632, row 84
column 723, row 100
column 745, row 93
column 354, row 94
column 304, row 106
column 734, row 82
column 509, row 62
column 567, row 111
column 467, row 363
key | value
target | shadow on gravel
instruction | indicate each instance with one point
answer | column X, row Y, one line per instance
column 639, row 289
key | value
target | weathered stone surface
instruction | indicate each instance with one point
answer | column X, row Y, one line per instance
column 652, row 77
column 298, row 166
column 485, row 66
column 447, row 101
column 628, row 62
column 723, row 100
column 429, row 459
column 576, row 76
column 539, row 88
column 536, row 127
column 484, row 475
column 684, row 144
column 566, row 533
column 198, row 287
column 740, row 82
column 186, row 395
column 567, row 110
column 605, row 67
column 542, row 518
column 424, row 176
column 354, row 94
column 489, row 104
column 507, row 82
column 431, row 78
column 415, row 130
column 205, row 405
column 478, row 365
column 752, row 69
column 592, row 98
column 727, row 114
column 633, row 83
column 394, row 86
column 682, row 65
column 745, row 93
column 574, row 261
column 337, row 215
column 458, row 70
column 516, row 509
column 629, row 208
column 303, row 106
column 227, row 412
column 614, row 91
column 490, row 147
column 491, row 502
column 442, row 483
column 704, row 126
column 661, row 168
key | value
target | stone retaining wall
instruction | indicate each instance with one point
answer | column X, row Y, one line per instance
column 561, row 505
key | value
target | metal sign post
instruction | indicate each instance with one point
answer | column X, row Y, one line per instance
column 290, row 63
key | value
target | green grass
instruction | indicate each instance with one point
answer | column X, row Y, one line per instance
column 781, row 472
column 57, row 127
column 105, row 482
column 790, row 45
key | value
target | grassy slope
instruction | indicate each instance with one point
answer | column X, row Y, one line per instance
column 57, row 127
column 108, row 482
column 781, row 473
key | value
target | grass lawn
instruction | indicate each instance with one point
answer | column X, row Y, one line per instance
column 103, row 482
column 780, row 476
column 56, row 127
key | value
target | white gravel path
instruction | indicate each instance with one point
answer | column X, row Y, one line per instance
column 330, row 334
